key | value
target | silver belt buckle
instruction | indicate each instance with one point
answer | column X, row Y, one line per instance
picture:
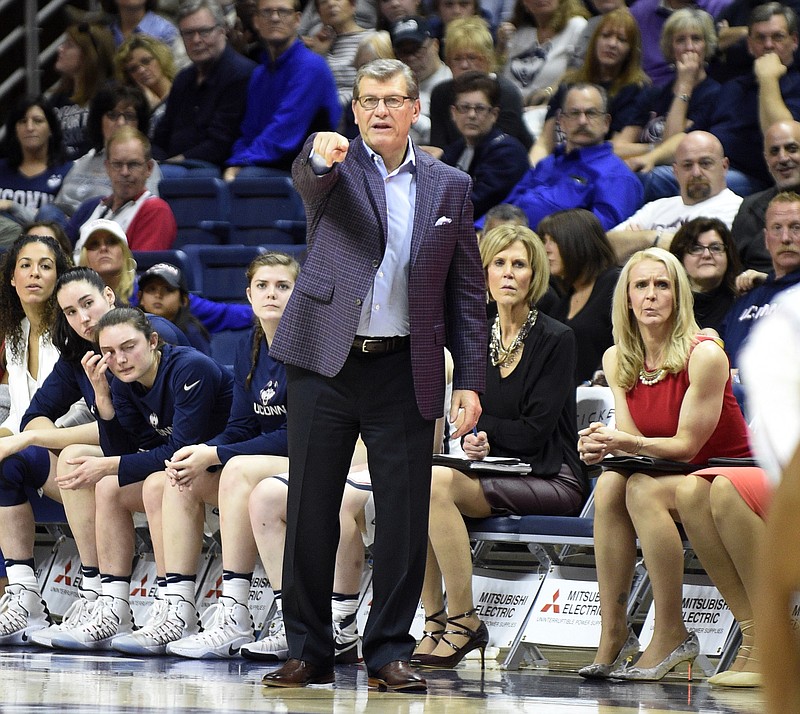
column 367, row 341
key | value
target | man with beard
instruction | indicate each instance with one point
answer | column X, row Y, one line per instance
column 782, row 153
column 583, row 172
column 700, row 168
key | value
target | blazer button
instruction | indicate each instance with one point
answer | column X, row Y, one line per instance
column 358, row 301
column 375, row 263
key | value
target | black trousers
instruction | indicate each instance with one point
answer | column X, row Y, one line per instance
column 373, row 396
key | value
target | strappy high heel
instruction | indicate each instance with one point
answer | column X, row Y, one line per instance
column 476, row 640
column 730, row 678
column 438, row 618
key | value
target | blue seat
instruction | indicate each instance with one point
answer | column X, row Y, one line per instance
column 146, row 259
column 201, row 206
column 223, row 345
column 266, row 210
column 220, row 270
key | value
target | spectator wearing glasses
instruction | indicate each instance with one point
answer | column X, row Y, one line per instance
column 700, row 168
column 494, row 160
column 207, row 100
column 291, row 95
column 146, row 219
column 469, row 47
column 113, row 107
column 583, row 172
column 707, row 252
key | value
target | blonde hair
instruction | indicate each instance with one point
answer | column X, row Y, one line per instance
column 628, row 337
column 500, row 238
column 470, row 34
column 161, row 53
column 127, row 278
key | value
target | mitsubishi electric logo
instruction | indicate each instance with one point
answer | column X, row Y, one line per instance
column 554, row 605
column 65, row 577
column 216, row 591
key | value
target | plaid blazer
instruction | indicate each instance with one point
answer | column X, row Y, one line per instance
column 347, row 228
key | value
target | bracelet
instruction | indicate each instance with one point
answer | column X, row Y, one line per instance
column 639, row 445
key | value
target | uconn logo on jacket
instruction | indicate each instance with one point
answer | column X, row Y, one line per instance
column 268, row 393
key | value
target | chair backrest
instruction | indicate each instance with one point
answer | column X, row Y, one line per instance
column 195, row 201
column 148, row 258
column 220, row 269
column 266, row 210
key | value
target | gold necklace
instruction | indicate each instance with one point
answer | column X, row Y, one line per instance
column 506, row 356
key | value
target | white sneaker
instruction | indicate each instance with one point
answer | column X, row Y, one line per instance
column 167, row 624
column 273, row 647
column 78, row 613
column 22, row 612
column 345, row 640
column 228, row 627
column 110, row 617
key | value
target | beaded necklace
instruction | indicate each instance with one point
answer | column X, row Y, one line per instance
column 506, row 356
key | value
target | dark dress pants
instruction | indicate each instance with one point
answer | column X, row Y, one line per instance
column 373, row 396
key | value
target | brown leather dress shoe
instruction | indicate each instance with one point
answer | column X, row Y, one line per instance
column 297, row 673
column 397, row 676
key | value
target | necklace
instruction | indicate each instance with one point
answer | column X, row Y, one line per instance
column 650, row 377
column 506, row 356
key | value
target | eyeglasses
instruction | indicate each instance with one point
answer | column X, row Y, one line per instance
column 590, row 114
column 115, row 116
column 141, row 64
column 203, row 32
column 481, row 110
column 713, row 248
column 283, row 13
column 130, row 165
column 393, row 101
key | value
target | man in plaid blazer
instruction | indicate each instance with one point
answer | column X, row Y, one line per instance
column 392, row 277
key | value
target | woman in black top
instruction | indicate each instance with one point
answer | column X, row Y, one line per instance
column 584, row 270
column 706, row 250
column 528, row 413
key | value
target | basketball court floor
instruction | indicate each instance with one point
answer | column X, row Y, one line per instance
column 39, row 681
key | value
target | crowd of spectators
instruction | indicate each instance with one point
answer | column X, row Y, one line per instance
column 612, row 131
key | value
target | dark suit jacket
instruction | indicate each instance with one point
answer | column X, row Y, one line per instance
column 347, row 228
column 202, row 122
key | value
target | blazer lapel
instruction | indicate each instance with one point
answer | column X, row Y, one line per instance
column 373, row 188
column 424, row 203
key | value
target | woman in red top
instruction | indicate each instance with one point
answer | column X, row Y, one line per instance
column 673, row 400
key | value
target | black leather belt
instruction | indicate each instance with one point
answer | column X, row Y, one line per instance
column 380, row 345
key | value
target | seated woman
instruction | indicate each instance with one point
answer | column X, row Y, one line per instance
column 28, row 275
column 688, row 39
column 537, row 44
column 252, row 447
column 103, row 247
column 584, row 268
column 614, row 62
column 157, row 402
column 706, row 250
column 672, row 400
column 59, row 415
column 143, row 61
column 528, row 413
column 34, row 167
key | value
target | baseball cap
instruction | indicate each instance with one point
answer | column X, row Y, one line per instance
column 410, row 29
column 170, row 274
column 91, row 227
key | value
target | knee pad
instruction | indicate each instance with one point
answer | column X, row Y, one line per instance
column 27, row 469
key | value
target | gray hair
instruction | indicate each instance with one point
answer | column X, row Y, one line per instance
column 385, row 69
column 763, row 13
column 190, row 7
column 684, row 19
column 587, row 85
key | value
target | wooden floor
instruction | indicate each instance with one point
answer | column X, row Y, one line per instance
column 49, row 681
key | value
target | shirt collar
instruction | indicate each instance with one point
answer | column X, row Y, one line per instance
column 409, row 163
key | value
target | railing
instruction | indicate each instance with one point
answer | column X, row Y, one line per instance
column 23, row 60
